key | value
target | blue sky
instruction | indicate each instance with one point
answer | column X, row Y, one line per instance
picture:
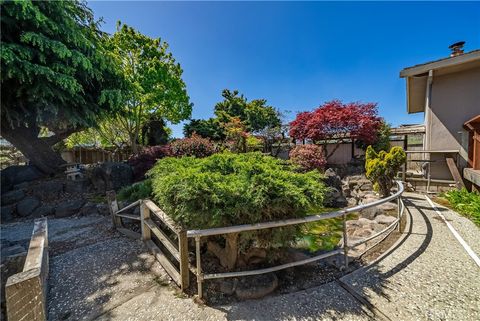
column 299, row 55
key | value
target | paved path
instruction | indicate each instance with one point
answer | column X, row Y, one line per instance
column 97, row 274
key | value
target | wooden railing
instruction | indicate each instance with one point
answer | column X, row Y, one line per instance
column 177, row 249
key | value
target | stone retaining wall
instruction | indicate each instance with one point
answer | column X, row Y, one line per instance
column 26, row 291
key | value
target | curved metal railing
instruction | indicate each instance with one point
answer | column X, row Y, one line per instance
column 198, row 234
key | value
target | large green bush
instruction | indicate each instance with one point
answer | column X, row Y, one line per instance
column 230, row 189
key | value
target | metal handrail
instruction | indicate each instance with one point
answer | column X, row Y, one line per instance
column 293, row 221
column 198, row 234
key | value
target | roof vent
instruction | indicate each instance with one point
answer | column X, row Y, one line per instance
column 456, row 48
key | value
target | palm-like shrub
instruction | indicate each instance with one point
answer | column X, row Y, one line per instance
column 308, row 157
column 231, row 189
column 383, row 166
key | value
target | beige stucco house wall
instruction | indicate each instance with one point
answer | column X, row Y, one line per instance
column 448, row 92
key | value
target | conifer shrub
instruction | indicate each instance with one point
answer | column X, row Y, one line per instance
column 382, row 167
column 231, row 189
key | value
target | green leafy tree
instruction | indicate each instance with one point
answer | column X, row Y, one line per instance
column 256, row 114
column 207, row 128
column 55, row 73
column 383, row 166
column 154, row 82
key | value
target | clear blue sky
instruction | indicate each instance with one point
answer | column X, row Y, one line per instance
column 299, row 55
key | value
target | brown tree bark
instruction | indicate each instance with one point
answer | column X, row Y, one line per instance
column 227, row 255
column 38, row 150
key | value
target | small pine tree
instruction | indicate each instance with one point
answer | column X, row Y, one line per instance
column 382, row 167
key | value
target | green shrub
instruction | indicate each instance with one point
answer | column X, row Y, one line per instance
column 230, row 189
column 140, row 190
column 465, row 203
column 382, row 167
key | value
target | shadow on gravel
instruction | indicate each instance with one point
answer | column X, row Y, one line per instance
column 90, row 280
column 336, row 300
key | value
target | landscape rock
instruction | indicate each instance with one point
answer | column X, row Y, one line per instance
column 69, row 208
column 44, row 210
column 110, row 175
column 26, row 206
column 332, row 179
column 228, row 286
column 371, row 212
column 17, row 174
column 89, row 209
column 23, row 185
column 12, row 197
column 388, row 206
column 77, row 186
column 385, row 219
column 256, row 286
column 103, row 209
column 48, row 190
column 7, row 214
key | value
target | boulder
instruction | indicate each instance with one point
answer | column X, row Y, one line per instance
column 26, row 206
column 332, row 179
column 103, row 209
column 48, row 190
column 227, row 286
column 12, row 197
column 385, row 219
column 7, row 213
column 77, row 186
column 43, row 211
column 256, row 286
column 69, row 208
column 388, row 206
column 23, row 185
column 110, row 175
column 17, row 174
column 371, row 212
column 89, row 209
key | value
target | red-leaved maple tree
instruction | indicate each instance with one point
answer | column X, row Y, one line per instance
column 337, row 122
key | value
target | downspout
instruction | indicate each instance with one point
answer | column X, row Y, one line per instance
column 428, row 122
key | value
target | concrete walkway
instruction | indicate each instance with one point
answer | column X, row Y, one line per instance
column 97, row 274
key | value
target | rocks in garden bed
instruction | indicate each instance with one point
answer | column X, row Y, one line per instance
column 103, row 209
column 77, row 186
column 44, row 210
column 7, row 213
column 89, row 209
column 334, row 195
column 12, row 197
column 256, row 286
column 384, row 219
column 17, row 174
column 110, row 175
column 26, row 206
column 48, row 190
column 69, row 208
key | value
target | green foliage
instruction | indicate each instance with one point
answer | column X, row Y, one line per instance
column 154, row 81
column 50, row 74
column 140, row 190
column 465, row 203
column 207, row 128
column 256, row 114
column 382, row 140
column 382, row 167
column 230, row 189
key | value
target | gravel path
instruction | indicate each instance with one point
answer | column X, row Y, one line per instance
column 428, row 276
column 97, row 274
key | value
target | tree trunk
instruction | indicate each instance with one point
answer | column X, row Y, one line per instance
column 38, row 150
column 227, row 255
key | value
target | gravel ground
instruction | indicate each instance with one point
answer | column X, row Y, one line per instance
column 469, row 231
column 429, row 276
column 97, row 274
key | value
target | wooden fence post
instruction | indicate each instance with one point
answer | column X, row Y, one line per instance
column 113, row 207
column 183, row 250
column 145, row 215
